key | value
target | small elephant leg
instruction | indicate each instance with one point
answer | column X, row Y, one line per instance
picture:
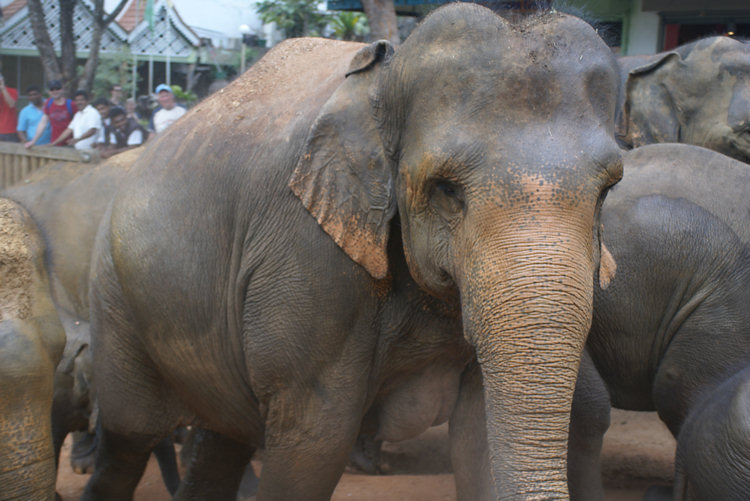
column 215, row 467
column 120, row 462
column 589, row 421
column 468, row 439
column 83, row 452
column 167, row 459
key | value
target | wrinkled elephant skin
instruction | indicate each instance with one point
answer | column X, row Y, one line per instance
column 31, row 345
column 277, row 317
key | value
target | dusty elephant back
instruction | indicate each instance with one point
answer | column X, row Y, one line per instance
column 286, row 87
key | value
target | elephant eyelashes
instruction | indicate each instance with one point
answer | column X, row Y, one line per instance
column 447, row 198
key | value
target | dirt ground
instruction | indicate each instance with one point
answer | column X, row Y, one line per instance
column 638, row 452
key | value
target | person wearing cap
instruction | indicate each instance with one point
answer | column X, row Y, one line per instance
column 58, row 112
column 85, row 125
column 166, row 113
column 8, row 113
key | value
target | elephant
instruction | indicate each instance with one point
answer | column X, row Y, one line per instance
column 266, row 270
column 67, row 200
column 31, row 345
column 698, row 93
column 670, row 331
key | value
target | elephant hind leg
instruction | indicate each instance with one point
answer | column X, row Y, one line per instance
column 216, row 464
column 120, row 463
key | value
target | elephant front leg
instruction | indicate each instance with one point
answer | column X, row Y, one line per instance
column 589, row 421
column 468, row 439
column 309, row 436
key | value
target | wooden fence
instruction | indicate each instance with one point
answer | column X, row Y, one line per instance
column 16, row 162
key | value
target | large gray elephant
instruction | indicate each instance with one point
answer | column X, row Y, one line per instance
column 471, row 162
column 671, row 332
column 67, row 201
column 698, row 93
column 31, row 345
column 671, row 328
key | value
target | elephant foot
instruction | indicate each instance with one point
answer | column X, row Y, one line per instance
column 83, row 452
column 248, row 485
column 366, row 456
column 658, row 493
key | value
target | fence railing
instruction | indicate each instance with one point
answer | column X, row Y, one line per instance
column 16, row 162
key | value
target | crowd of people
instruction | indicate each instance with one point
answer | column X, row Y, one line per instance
column 107, row 124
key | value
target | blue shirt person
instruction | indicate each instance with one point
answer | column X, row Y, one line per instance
column 31, row 115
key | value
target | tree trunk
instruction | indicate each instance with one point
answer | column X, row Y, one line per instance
column 68, row 46
column 381, row 14
column 44, row 45
column 64, row 68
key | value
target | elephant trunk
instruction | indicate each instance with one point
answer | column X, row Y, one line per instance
column 527, row 309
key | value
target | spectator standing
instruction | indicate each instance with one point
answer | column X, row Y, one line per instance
column 167, row 112
column 123, row 134
column 103, row 106
column 58, row 112
column 115, row 95
column 30, row 117
column 130, row 109
column 8, row 113
column 85, row 125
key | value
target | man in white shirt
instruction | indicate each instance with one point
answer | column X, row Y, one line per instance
column 85, row 125
column 166, row 113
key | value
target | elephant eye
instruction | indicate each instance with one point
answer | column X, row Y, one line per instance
column 446, row 198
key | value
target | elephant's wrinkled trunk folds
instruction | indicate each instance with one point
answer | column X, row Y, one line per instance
column 527, row 307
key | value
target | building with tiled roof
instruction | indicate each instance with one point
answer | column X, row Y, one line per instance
column 161, row 52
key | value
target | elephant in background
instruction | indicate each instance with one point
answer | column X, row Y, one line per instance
column 671, row 331
column 455, row 172
column 698, row 93
column 31, row 345
column 67, row 201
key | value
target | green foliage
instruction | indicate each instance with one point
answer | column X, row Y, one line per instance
column 349, row 25
column 183, row 97
column 114, row 69
column 297, row 18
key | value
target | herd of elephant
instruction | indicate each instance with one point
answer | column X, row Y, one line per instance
column 364, row 241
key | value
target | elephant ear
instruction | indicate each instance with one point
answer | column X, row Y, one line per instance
column 649, row 113
column 342, row 177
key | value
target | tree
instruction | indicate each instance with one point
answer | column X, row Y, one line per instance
column 298, row 18
column 349, row 26
column 381, row 14
column 64, row 67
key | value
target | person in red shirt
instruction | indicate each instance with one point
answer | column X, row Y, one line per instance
column 8, row 113
column 58, row 112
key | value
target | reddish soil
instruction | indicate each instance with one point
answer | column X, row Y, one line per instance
column 638, row 452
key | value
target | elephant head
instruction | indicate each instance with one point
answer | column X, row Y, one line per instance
column 697, row 94
column 491, row 142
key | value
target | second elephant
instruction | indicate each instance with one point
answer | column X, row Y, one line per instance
column 698, row 93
